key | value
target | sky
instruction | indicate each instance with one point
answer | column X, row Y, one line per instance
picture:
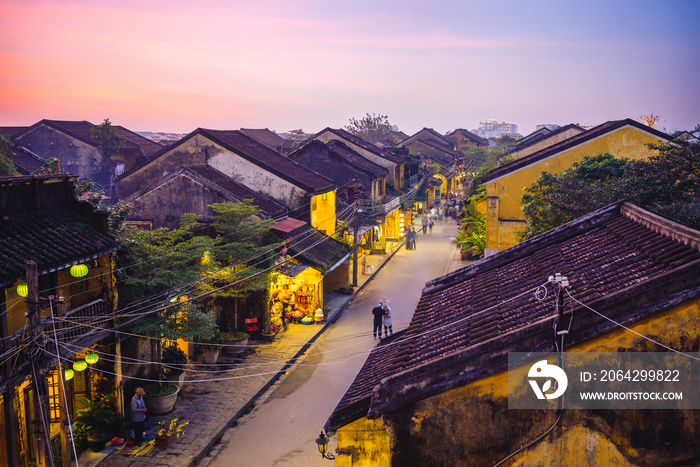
column 175, row 66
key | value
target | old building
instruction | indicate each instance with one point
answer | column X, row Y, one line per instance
column 392, row 162
column 303, row 193
column 53, row 316
column 541, row 139
column 71, row 142
column 437, row 392
column 465, row 140
column 506, row 184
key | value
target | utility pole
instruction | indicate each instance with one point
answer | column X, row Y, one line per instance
column 354, row 192
column 44, row 456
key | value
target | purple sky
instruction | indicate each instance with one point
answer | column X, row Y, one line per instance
column 286, row 64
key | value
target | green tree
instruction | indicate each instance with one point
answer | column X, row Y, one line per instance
column 235, row 268
column 7, row 167
column 107, row 138
column 371, row 127
column 666, row 183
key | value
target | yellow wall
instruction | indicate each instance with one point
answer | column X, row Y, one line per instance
column 472, row 424
column 505, row 218
column 323, row 216
column 364, row 443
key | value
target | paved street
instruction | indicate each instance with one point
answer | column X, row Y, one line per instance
column 282, row 428
column 286, row 409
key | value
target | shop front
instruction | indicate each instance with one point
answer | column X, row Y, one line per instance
column 296, row 295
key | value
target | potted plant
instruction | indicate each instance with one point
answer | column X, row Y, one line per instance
column 161, row 397
column 211, row 347
column 96, row 416
column 174, row 361
column 234, row 342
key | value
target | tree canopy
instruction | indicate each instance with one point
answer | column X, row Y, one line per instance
column 666, row 183
column 371, row 127
column 107, row 138
column 7, row 168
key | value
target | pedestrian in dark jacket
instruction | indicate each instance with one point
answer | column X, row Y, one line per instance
column 378, row 312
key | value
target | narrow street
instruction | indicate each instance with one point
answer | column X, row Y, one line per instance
column 281, row 429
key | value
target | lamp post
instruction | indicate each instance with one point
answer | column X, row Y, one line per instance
column 322, row 443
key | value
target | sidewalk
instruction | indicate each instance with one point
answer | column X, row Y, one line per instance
column 215, row 396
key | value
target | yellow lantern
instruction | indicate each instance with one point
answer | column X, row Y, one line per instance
column 22, row 289
column 92, row 358
column 78, row 270
column 68, row 374
column 80, row 365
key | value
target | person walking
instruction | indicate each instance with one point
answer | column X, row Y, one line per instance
column 424, row 223
column 378, row 312
column 430, row 223
column 138, row 415
column 412, row 238
column 388, row 328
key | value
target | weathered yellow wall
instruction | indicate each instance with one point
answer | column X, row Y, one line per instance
column 623, row 143
column 472, row 425
column 323, row 217
column 545, row 143
column 368, row 443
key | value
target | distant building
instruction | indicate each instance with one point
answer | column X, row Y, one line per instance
column 549, row 126
column 493, row 129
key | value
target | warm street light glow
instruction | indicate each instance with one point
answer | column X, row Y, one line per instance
column 322, row 443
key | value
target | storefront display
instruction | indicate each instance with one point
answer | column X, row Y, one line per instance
column 295, row 295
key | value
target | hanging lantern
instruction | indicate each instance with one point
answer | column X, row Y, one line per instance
column 80, row 365
column 78, row 270
column 92, row 358
column 22, row 289
column 68, row 374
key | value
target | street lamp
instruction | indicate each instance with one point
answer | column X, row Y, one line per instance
column 322, row 443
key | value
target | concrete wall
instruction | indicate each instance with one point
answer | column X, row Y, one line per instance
column 626, row 142
column 364, row 443
column 76, row 157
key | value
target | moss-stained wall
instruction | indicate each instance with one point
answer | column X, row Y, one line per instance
column 472, row 425
column 627, row 142
column 364, row 443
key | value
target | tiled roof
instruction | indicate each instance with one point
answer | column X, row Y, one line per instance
column 443, row 156
column 542, row 134
column 622, row 260
column 288, row 224
column 54, row 241
column 82, row 130
column 432, row 135
column 362, row 143
column 569, row 143
column 346, row 154
column 317, row 249
column 238, row 192
column 25, row 161
column 148, row 146
column 270, row 160
column 469, row 135
column 10, row 131
column 265, row 136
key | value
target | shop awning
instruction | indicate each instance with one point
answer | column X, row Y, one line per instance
column 293, row 269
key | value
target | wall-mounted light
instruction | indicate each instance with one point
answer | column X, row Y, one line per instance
column 22, row 289
column 322, row 443
column 78, row 270
column 92, row 358
column 80, row 365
